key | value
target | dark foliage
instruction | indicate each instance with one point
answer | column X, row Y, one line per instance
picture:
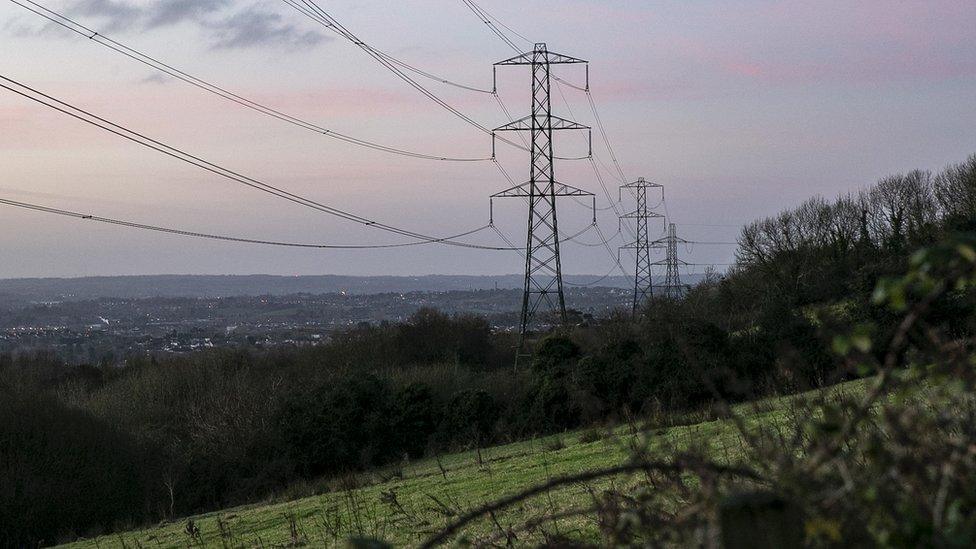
column 336, row 427
column 63, row 467
column 468, row 418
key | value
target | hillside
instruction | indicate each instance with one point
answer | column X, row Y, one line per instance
column 431, row 491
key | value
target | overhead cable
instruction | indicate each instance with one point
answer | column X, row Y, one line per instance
column 81, row 30
column 130, row 135
column 182, row 232
column 315, row 13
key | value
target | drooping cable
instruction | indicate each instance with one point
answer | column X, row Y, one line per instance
column 599, row 176
column 194, row 234
column 81, row 30
column 314, row 12
column 606, row 138
column 577, row 234
column 432, row 76
column 135, row 137
column 606, row 244
column 498, row 21
column 488, row 20
column 508, row 116
column 507, row 240
column 596, row 244
column 592, row 282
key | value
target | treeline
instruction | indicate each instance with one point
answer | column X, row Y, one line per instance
column 827, row 249
column 89, row 449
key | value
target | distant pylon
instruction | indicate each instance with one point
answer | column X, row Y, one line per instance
column 643, row 282
column 672, row 288
column 543, row 268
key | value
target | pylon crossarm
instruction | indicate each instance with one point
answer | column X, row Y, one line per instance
column 641, row 183
column 662, row 242
column 523, row 190
column 532, row 57
column 524, row 124
column 562, row 189
column 637, row 214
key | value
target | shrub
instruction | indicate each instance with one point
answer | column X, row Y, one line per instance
column 469, row 419
column 415, row 418
column 340, row 428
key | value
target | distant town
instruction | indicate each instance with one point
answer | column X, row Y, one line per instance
column 73, row 319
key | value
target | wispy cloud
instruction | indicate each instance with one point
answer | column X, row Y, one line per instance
column 173, row 12
column 156, row 78
column 254, row 27
column 229, row 25
column 116, row 15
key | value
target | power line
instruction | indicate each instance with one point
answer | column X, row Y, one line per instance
column 606, row 243
column 593, row 163
column 432, row 76
column 597, row 244
column 506, row 240
column 135, row 137
column 81, row 30
column 182, row 232
column 603, row 132
column 606, row 191
column 487, row 19
column 711, row 225
column 592, row 282
column 312, row 10
column 502, row 23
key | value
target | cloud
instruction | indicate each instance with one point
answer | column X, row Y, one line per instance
column 254, row 27
column 17, row 29
column 156, row 78
column 172, row 12
column 228, row 25
column 117, row 14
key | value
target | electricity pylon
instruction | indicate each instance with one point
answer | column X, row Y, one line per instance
column 673, row 288
column 643, row 283
column 543, row 268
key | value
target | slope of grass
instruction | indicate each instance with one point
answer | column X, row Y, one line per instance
column 400, row 504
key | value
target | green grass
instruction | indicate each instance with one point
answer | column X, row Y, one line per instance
column 431, row 494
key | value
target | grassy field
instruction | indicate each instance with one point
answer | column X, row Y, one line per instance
column 431, row 491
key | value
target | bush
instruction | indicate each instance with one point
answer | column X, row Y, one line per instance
column 339, row 428
column 469, row 419
column 415, row 418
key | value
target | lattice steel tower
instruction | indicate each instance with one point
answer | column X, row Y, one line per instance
column 643, row 283
column 673, row 288
column 543, row 268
